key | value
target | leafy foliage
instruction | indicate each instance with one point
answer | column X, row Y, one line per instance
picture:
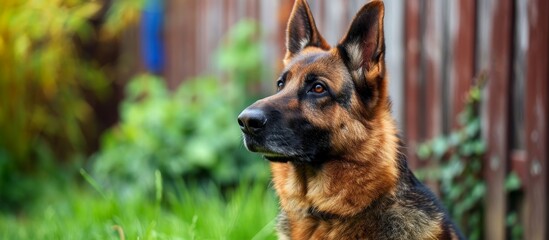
column 190, row 133
column 44, row 81
column 459, row 157
column 458, row 169
column 240, row 55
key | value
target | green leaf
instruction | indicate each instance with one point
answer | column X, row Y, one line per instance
column 474, row 93
column 512, row 182
column 424, row 151
column 479, row 147
column 440, row 146
column 86, row 10
column 22, row 47
column 473, row 127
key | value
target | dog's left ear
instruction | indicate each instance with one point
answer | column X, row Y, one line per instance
column 363, row 47
column 301, row 31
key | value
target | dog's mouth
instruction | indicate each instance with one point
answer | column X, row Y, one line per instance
column 273, row 157
column 267, row 152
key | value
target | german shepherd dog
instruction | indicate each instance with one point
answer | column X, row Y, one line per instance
column 333, row 144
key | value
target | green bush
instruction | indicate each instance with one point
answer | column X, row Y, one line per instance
column 44, row 82
column 189, row 133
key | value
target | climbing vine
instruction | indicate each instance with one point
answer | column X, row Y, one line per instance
column 456, row 168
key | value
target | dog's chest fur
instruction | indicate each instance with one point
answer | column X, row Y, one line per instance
column 315, row 205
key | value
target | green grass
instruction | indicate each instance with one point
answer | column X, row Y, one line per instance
column 194, row 212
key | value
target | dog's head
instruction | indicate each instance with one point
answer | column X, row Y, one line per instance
column 329, row 100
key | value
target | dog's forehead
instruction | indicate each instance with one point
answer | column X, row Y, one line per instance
column 306, row 58
column 309, row 58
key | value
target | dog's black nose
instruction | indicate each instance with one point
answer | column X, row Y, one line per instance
column 251, row 121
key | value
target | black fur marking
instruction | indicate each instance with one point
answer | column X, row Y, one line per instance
column 365, row 90
column 302, row 94
column 310, row 78
column 313, row 141
column 283, row 76
column 321, row 215
column 344, row 56
column 283, row 224
column 344, row 97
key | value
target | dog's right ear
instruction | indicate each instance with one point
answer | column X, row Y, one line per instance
column 301, row 31
column 363, row 47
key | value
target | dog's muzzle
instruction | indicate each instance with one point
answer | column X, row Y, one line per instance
column 253, row 123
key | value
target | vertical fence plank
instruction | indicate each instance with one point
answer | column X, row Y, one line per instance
column 334, row 23
column 432, row 47
column 269, row 44
column 411, row 82
column 463, row 14
column 252, row 9
column 284, row 10
column 432, row 82
column 231, row 14
column 497, row 117
column 536, row 119
column 180, row 40
column 394, row 55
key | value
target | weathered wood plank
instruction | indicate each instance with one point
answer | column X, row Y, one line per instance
column 463, row 18
column 284, row 10
column 252, row 9
column 536, row 119
column 269, row 44
column 497, row 97
column 230, row 12
column 180, row 40
column 520, row 167
column 432, row 47
column 394, row 55
column 412, row 81
column 432, row 81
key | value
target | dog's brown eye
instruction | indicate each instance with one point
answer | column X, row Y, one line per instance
column 318, row 88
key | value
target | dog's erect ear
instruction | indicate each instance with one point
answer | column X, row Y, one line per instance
column 363, row 47
column 301, row 31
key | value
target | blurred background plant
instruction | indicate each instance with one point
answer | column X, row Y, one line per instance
column 189, row 133
column 47, row 85
column 456, row 170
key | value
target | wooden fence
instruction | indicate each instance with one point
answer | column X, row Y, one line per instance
column 435, row 50
column 448, row 43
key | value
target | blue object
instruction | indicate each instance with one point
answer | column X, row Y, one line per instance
column 152, row 44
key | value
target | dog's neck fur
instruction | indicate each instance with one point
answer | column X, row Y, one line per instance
column 344, row 186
